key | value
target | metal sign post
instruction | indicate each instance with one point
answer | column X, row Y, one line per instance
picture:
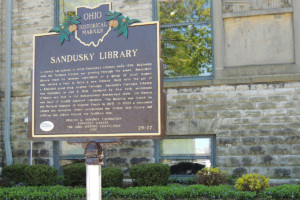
column 94, row 160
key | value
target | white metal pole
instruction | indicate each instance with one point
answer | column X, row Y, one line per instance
column 93, row 182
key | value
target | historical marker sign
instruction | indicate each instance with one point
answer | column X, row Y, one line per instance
column 98, row 84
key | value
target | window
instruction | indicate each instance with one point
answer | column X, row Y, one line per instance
column 186, row 37
column 186, row 152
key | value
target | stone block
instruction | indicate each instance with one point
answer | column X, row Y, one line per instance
column 250, row 93
column 285, row 131
column 215, row 94
column 281, row 173
column 44, row 153
column 249, row 140
column 295, row 139
column 266, row 92
column 266, row 105
column 294, row 125
column 226, row 107
column 296, row 149
column 206, row 114
column 177, row 127
column 272, row 126
column 241, row 121
column 269, row 160
column 251, row 126
column 289, row 160
column 226, row 141
column 284, row 119
column 117, row 162
column 230, row 127
column 278, row 98
column 257, row 150
column 294, row 111
column 137, row 161
column 260, row 170
column 245, row 106
column 252, row 113
column 41, row 161
column 242, row 100
column 280, row 149
column 238, row 133
column 242, row 87
column 285, row 91
column 125, row 152
column 111, row 152
column 275, row 112
column 236, row 94
column 231, row 114
column 247, row 161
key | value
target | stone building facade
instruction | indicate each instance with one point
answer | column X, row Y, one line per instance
column 251, row 106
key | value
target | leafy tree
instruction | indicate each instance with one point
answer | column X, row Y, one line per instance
column 186, row 37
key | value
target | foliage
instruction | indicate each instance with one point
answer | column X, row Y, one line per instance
column 211, row 176
column 252, row 182
column 74, row 174
column 37, row 175
column 13, row 174
column 42, row 193
column 150, row 174
column 112, row 177
column 155, row 192
column 186, row 48
column 281, row 192
column 176, row 192
column 66, row 28
column 119, row 22
column 182, row 180
column 186, row 168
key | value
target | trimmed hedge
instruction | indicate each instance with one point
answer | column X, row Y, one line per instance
column 14, row 174
column 156, row 192
column 74, row 174
column 34, row 175
column 150, row 174
column 112, row 177
column 37, row 175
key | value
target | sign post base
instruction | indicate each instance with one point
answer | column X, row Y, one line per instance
column 93, row 182
column 93, row 161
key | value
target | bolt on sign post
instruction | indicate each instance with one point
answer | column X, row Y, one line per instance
column 97, row 78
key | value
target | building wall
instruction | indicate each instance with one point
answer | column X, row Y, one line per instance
column 252, row 105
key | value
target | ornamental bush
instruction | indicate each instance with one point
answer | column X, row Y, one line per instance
column 14, row 174
column 37, row 175
column 150, row 174
column 211, row 176
column 112, row 177
column 74, row 174
column 252, row 182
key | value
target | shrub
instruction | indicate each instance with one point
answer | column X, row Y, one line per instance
column 252, row 182
column 182, row 180
column 150, row 174
column 37, row 175
column 186, row 168
column 281, row 192
column 13, row 174
column 211, row 176
column 74, row 174
column 112, row 177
